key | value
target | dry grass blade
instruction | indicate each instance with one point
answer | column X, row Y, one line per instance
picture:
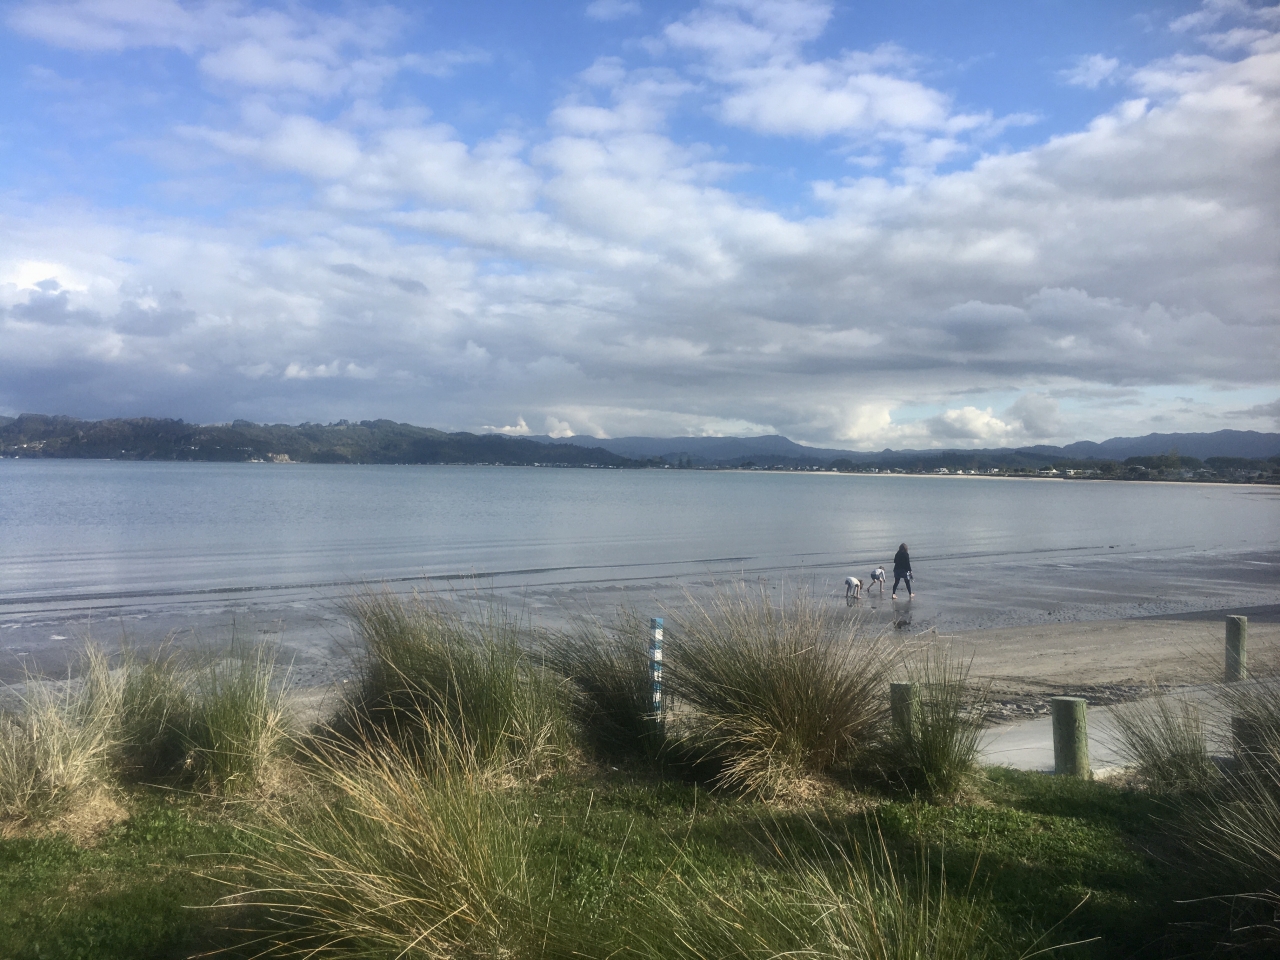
column 781, row 692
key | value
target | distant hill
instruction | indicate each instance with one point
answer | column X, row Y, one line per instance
column 370, row 441
column 776, row 450
column 1223, row 443
column 384, row 441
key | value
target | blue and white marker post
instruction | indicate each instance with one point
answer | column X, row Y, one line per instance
column 655, row 667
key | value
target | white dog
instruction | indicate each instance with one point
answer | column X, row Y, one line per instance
column 852, row 588
column 877, row 576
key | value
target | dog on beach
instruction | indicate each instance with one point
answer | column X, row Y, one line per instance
column 852, row 588
column 877, row 576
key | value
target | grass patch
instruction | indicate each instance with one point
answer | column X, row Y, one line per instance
column 125, row 898
column 779, row 693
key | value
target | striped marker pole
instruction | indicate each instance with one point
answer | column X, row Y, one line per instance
column 655, row 665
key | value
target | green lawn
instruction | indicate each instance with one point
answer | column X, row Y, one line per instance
column 1059, row 859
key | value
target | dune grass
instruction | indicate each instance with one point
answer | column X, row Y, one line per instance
column 455, row 673
column 611, row 685
column 1163, row 739
column 778, row 692
column 851, row 899
column 57, row 743
column 938, row 749
column 239, row 723
column 400, row 855
column 1236, row 829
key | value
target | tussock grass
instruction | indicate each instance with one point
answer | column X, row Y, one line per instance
column 57, row 745
column 612, row 690
column 239, row 724
column 842, row 904
column 156, row 710
column 780, row 693
column 1163, row 738
column 411, row 853
column 455, row 675
column 1238, row 828
column 940, row 745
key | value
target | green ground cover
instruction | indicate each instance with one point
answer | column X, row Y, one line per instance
column 1058, row 861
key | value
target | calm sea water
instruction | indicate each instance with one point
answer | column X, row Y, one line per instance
column 93, row 529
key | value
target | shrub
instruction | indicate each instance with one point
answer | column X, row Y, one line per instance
column 1164, row 739
column 780, row 693
column 612, row 692
column 57, row 744
column 941, row 741
column 426, row 669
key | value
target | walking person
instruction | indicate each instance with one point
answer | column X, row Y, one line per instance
column 902, row 571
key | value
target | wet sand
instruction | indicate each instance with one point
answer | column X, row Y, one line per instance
column 1104, row 627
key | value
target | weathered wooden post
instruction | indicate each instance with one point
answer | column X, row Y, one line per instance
column 1237, row 640
column 904, row 708
column 655, row 666
column 1070, row 736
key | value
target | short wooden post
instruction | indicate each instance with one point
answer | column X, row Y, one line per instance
column 1070, row 736
column 1237, row 640
column 904, row 708
column 655, row 666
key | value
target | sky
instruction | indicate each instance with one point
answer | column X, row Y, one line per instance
column 920, row 224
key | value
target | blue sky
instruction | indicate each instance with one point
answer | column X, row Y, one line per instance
column 867, row 225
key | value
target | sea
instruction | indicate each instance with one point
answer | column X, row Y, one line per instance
column 138, row 551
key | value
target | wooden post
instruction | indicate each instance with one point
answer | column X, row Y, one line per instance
column 1237, row 640
column 655, row 666
column 904, row 708
column 1070, row 736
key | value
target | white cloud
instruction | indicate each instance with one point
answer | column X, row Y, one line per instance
column 559, row 429
column 609, row 276
column 611, row 9
column 1091, row 71
column 521, row 429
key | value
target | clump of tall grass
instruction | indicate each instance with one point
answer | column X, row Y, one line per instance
column 57, row 743
column 239, row 723
column 455, row 675
column 612, row 687
column 844, row 905
column 780, row 693
column 1163, row 738
column 156, row 710
column 1238, row 826
column 938, row 736
column 410, row 852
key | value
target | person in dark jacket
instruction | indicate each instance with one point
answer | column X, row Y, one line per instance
column 902, row 571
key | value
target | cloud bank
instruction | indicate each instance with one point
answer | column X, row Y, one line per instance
column 600, row 273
